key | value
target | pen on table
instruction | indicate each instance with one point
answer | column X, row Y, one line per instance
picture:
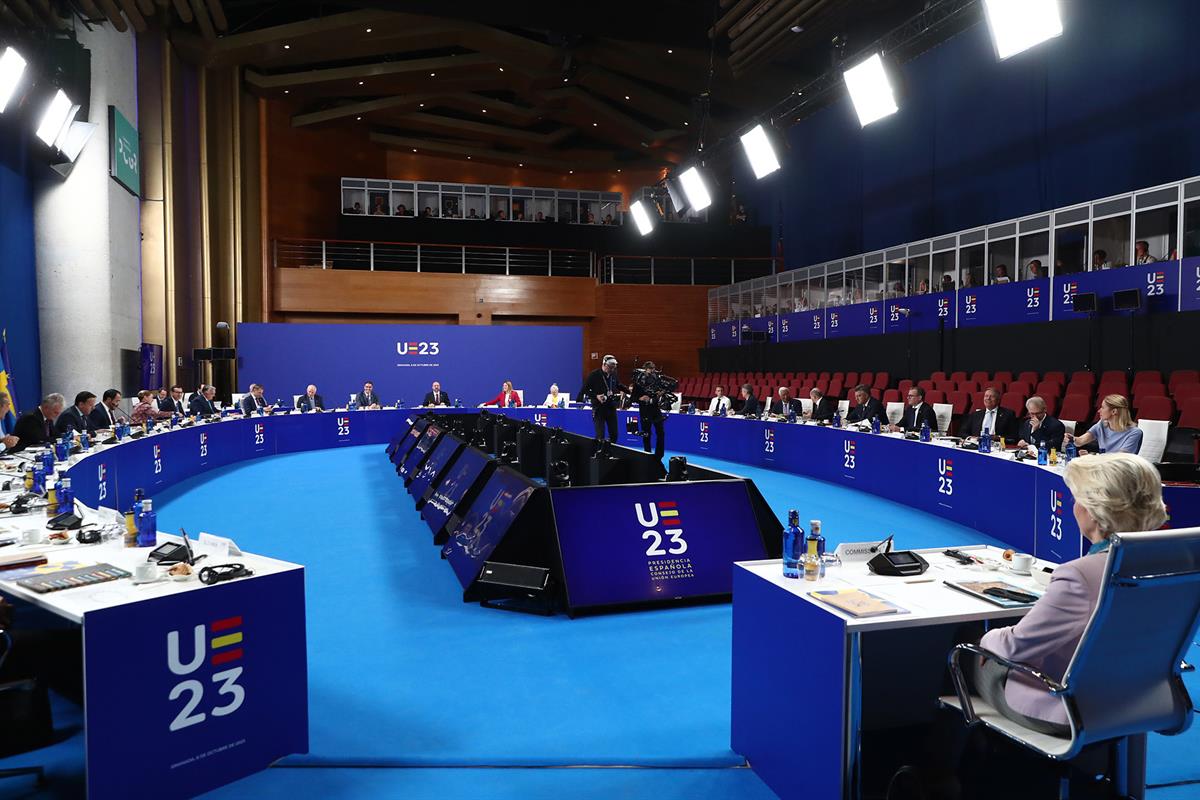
column 922, row 580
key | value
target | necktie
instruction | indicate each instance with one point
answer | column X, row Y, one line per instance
column 437, row 397
column 989, row 421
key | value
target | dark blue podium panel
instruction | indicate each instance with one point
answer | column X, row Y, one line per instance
column 431, row 471
column 802, row 326
column 1005, row 304
column 489, row 518
column 764, row 325
column 926, row 312
column 723, row 334
column 1158, row 283
column 1189, row 285
column 447, row 495
column 861, row 319
column 649, row 542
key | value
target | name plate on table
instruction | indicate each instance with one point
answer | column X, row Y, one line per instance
column 653, row 542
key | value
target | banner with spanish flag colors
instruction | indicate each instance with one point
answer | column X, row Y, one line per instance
column 10, row 419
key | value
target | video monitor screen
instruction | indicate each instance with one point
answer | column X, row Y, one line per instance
column 486, row 523
column 410, row 439
column 423, row 445
column 653, row 542
column 433, row 466
column 453, row 488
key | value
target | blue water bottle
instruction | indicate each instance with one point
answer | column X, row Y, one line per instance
column 837, row 419
column 985, row 441
column 791, row 414
column 147, row 525
column 48, row 462
column 83, row 441
column 793, row 545
column 874, row 424
column 62, row 451
column 1043, row 455
column 66, row 496
column 1069, row 452
column 39, row 480
column 925, row 436
column 174, row 420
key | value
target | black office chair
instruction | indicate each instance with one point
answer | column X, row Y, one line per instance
column 1124, row 679
column 21, row 685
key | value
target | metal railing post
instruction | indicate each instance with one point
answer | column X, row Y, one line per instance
column 550, row 263
column 506, row 272
column 323, row 254
column 372, row 257
column 731, row 272
column 275, row 253
column 693, row 262
column 651, row 270
column 418, row 258
column 464, row 259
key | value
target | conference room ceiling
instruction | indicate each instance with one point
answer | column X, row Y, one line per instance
column 604, row 86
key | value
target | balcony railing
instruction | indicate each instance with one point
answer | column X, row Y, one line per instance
column 440, row 258
column 702, row 271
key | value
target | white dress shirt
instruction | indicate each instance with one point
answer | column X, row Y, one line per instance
column 722, row 401
column 989, row 421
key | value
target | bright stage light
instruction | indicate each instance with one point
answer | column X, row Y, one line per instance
column 870, row 90
column 12, row 66
column 760, row 152
column 1018, row 25
column 693, row 186
column 54, row 118
column 642, row 217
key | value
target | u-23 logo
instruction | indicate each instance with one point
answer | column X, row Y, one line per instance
column 260, row 435
column 157, row 459
column 945, row 476
column 225, row 643
column 203, row 445
column 418, row 348
column 1069, row 288
column 343, row 426
column 1056, row 510
column 1033, row 297
column 102, row 482
column 1156, row 284
column 969, row 304
column 833, row 319
column 943, row 307
column 541, row 419
column 768, row 440
column 665, row 512
column 849, row 456
column 873, row 315
column 783, row 323
column 703, row 432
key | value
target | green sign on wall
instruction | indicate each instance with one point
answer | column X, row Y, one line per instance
column 124, row 157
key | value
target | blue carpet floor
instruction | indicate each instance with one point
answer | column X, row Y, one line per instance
column 403, row 674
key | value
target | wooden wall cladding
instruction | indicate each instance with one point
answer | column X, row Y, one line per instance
column 665, row 324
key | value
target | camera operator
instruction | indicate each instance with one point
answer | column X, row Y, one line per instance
column 603, row 389
column 648, row 388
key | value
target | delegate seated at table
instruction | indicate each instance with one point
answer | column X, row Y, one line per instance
column 719, row 402
column 823, row 408
column 435, row 396
column 554, row 399
column 750, row 406
column 916, row 413
column 310, row 400
column 1115, row 431
column 1039, row 428
column 865, row 408
column 993, row 417
column 367, row 397
column 1114, row 493
column 253, row 401
column 786, row 405
column 507, row 397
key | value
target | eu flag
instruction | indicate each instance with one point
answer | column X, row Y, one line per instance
column 10, row 419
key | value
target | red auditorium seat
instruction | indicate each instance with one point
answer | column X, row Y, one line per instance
column 969, row 386
column 1014, row 402
column 1084, row 376
column 1079, row 388
column 999, row 386
column 1060, row 377
column 945, row 386
column 824, row 376
column 1020, row 387
column 851, row 378
column 1189, row 413
column 868, row 378
column 1051, row 406
column 926, row 385
column 1152, row 375
column 958, row 377
column 1183, row 377
column 1077, row 408
column 1112, row 374
column 1185, row 391
column 938, row 376
column 838, row 376
column 1049, row 389
column 980, row 377
column 836, row 386
column 1112, row 387
column 823, row 385
column 1028, row 377
column 936, row 396
column 961, row 401
column 882, row 379
column 891, row 396
column 904, row 386
column 1156, row 408
column 1005, row 376
column 877, row 393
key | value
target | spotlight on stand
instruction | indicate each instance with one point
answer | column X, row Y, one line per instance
column 59, row 129
column 1018, row 25
column 642, row 217
column 870, row 90
column 59, row 112
column 695, row 188
column 12, row 67
column 675, row 192
column 759, row 151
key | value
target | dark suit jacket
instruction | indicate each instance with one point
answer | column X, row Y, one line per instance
column 1051, row 431
column 444, row 400
column 250, row 404
column 201, row 407
column 750, row 407
column 32, row 429
column 823, row 409
column 171, row 406
column 100, row 419
column 363, row 400
column 925, row 415
column 595, row 385
column 1006, row 424
column 72, row 419
column 865, row 413
column 304, row 404
column 781, row 408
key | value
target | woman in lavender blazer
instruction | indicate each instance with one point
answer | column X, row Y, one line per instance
column 1113, row 493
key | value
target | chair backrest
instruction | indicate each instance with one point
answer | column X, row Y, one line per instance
column 1154, row 439
column 1024, row 387
column 926, row 385
column 935, row 397
column 1014, row 402
column 895, row 411
column 904, row 386
column 843, row 407
column 1084, row 376
column 1069, row 425
column 960, row 401
column 938, row 376
column 851, row 378
column 1189, row 413
column 882, row 379
column 1156, row 408
column 1124, row 677
column 959, row 376
column 944, row 412
column 236, row 399
column 968, row 386
column 1004, row 375
column 1182, row 377
column 1028, row 377
column 1058, row 377
column 980, row 376
column 1185, row 391
column 520, row 394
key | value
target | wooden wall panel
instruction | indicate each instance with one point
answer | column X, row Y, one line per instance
column 663, row 324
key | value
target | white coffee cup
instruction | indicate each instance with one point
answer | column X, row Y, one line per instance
column 145, row 573
column 1022, row 563
column 32, row 536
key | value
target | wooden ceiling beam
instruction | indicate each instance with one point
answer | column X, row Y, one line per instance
column 487, row 154
column 23, row 10
column 114, row 14
column 51, row 16
column 487, row 131
column 374, row 70
column 135, row 17
column 217, row 12
column 583, row 105
column 200, row 11
column 184, row 12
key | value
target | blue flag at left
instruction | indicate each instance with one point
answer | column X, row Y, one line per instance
column 10, row 419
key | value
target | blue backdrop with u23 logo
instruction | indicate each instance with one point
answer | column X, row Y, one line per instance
column 470, row 361
column 1164, row 286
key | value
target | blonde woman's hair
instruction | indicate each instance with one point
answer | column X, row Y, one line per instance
column 1120, row 407
column 1121, row 491
column 143, row 394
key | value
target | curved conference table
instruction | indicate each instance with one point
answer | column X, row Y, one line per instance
column 1017, row 502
